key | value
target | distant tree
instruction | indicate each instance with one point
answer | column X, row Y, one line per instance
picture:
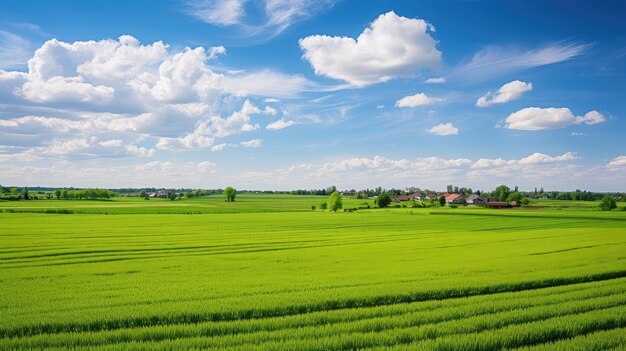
column 541, row 191
column 525, row 201
column 607, row 203
column 502, row 192
column 383, row 200
column 65, row 194
column 57, row 194
column 229, row 194
column 323, row 206
column 172, row 196
column 514, row 196
column 25, row 193
column 313, row 208
column 442, row 201
column 449, row 189
column 379, row 190
column 142, row 193
column 335, row 202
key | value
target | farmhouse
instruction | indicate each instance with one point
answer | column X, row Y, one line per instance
column 454, row 199
column 400, row 198
column 475, row 200
column 431, row 196
column 417, row 196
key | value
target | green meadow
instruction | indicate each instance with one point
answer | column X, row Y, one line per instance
column 267, row 273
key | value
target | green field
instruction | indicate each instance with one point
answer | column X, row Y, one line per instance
column 267, row 273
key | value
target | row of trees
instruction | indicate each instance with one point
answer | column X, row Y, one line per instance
column 86, row 194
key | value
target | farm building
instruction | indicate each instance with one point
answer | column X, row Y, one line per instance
column 417, row 196
column 475, row 200
column 499, row 204
column 431, row 196
column 454, row 199
column 400, row 198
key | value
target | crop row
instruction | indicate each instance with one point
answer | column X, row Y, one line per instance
column 434, row 318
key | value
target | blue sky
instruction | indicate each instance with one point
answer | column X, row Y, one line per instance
column 306, row 94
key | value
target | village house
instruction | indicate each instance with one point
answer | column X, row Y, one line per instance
column 454, row 199
column 417, row 196
column 400, row 198
column 475, row 200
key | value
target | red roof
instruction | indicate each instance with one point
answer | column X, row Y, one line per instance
column 417, row 194
column 401, row 198
column 451, row 197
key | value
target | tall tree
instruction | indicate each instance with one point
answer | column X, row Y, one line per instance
column 335, row 202
column 502, row 192
column 229, row 194
column 383, row 200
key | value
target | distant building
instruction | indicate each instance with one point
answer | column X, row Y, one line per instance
column 431, row 196
column 454, row 199
column 417, row 196
column 499, row 204
column 400, row 198
column 475, row 200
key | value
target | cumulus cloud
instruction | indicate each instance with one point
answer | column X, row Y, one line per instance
column 207, row 131
column 419, row 99
column 508, row 92
column 392, row 46
column 437, row 80
column 536, row 165
column 280, row 124
column 535, row 118
column 113, row 93
column 444, row 129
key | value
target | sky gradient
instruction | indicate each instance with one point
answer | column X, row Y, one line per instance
column 306, row 94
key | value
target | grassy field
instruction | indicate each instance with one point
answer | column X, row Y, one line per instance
column 267, row 273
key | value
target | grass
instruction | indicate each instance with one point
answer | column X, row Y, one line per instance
column 266, row 272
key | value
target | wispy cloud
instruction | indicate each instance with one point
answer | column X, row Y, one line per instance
column 262, row 22
column 14, row 50
column 494, row 61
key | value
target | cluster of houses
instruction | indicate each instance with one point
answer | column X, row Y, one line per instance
column 457, row 199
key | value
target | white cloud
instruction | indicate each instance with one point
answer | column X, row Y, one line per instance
column 111, row 143
column 280, row 124
column 535, row 118
column 533, row 159
column 392, row 46
column 266, row 83
column 64, row 147
column 383, row 164
column 217, row 12
column 508, row 92
column 276, row 15
column 270, row 100
column 14, row 50
column 238, row 121
column 578, row 134
column 494, row 61
column 536, row 166
column 252, row 143
column 618, row 163
column 591, row 118
column 437, row 80
column 444, row 129
column 380, row 107
column 419, row 99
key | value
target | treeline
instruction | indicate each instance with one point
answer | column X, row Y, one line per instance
column 84, row 194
